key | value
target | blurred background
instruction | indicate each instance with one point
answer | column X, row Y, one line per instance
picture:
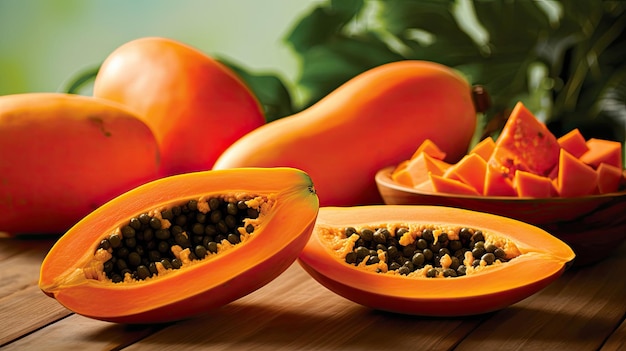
column 564, row 59
column 45, row 43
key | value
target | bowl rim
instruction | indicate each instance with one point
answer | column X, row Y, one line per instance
column 383, row 178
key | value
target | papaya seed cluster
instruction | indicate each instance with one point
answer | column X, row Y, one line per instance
column 155, row 241
column 430, row 252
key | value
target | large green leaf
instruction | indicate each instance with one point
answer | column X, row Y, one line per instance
column 269, row 89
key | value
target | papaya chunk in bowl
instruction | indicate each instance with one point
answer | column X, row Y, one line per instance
column 569, row 186
column 526, row 260
column 179, row 246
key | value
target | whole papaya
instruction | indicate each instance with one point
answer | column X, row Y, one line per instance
column 62, row 155
column 195, row 106
column 376, row 119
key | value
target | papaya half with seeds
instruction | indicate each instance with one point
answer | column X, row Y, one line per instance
column 62, row 156
column 179, row 246
column 195, row 105
column 375, row 120
column 431, row 260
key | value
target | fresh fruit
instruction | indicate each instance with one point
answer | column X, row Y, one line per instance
column 372, row 121
column 195, row 106
column 182, row 245
column 431, row 260
column 62, row 155
column 522, row 163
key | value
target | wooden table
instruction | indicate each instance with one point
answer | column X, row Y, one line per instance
column 584, row 310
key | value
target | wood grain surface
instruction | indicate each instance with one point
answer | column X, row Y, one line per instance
column 583, row 310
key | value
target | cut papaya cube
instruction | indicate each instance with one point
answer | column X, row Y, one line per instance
column 400, row 174
column 554, row 173
column 497, row 183
column 526, row 144
column 532, row 185
column 433, row 165
column 574, row 143
column 601, row 150
column 429, row 147
column 484, row 148
column 470, row 170
column 451, row 186
column 416, row 170
column 438, row 167
column 575, row 177
column 609, row 178
column 450, row 173
column 426, row 186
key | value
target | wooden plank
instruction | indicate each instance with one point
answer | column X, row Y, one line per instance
column 617, row 340
column 21, row 261
column 80, row 333
column 294, row 312
column 577, row 312
column 23, row 307
column 25, row 311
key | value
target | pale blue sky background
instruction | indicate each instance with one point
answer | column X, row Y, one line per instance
column 44, row 43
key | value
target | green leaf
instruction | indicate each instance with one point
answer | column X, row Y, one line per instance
column 322, row 24
column 81, row 80
column 326, row 67
column 269, row 89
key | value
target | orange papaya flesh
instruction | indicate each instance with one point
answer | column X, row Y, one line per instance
column 63, row 155
column 609, row 178
column 430, row 148
column 574, row 143
column 193, row 257
column 341, row 256
column 415, row 171
column 497, row 178
column 452, row 186
column 401, row 175
column 471, row 170
column 575, row 178
column 531, row 185
column 526, row 144
column 484, row 148
column 603, row 151
column 497, row 183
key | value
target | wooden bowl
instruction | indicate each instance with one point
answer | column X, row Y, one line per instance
column 593, row 226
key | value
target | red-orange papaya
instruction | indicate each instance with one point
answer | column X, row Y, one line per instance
column 195, row 105
column 62, row 155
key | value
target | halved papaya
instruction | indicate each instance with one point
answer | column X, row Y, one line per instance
column 167, row 234
column 532, row 258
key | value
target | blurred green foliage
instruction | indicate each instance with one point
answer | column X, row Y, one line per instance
column 563, row 59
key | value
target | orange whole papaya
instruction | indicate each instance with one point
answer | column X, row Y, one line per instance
column 374, row 120
column 62, row 155
column 195, row 106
